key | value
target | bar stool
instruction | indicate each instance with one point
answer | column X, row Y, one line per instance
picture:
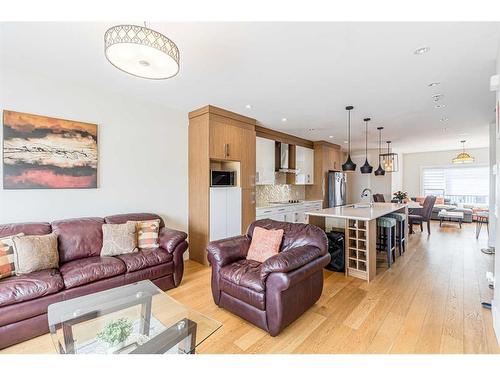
column 386, row 237
column 400, row 230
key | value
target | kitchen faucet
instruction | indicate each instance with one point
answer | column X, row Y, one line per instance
column 365, row 193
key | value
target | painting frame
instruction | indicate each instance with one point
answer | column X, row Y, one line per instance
column 42, row 152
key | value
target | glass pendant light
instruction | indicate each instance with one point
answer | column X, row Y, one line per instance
column 380, row 171
column 349, row 165
column 366, row 168
column 463, row 157
column 389, row 159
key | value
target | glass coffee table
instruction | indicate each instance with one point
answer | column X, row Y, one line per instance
column 137, row 318
column 451, row 216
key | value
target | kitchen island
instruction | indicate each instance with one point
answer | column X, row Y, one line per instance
column 360, row 224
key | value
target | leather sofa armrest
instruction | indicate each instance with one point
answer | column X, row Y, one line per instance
column 290, row 260
column 228, row 250
column 279, row 281
column 170, row 238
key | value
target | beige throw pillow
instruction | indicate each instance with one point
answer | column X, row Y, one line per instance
column 119, row 239
column 35, row 253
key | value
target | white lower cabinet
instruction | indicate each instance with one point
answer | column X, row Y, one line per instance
column 225, row 212
column 293, row 213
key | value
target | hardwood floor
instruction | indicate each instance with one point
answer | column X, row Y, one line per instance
column 428, row 302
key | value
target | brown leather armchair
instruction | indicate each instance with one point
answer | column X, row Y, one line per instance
column 275, row 293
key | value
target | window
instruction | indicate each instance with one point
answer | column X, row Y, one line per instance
column 458, row 184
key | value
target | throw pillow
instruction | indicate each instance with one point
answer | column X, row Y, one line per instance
column 35, row 253
column 147, row 233
column 265, row 243
column 119, row 239
column 7, row 256
column 439, row 201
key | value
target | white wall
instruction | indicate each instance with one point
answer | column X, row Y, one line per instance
column 496, row 297
column 142, row 153
column 413, row 163
column 356, row 181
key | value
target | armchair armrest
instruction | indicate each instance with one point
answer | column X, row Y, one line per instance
column 228, row 250
column 290, row 260
column 169, row 239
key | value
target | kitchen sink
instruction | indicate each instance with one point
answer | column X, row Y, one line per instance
column 362, row 205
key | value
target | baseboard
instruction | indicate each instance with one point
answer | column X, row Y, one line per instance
column 495, row 312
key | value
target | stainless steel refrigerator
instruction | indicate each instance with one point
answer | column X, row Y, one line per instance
column 337, row 189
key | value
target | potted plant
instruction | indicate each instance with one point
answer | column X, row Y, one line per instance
column 400, row 195
column 115, row 334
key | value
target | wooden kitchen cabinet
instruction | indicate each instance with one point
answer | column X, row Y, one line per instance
column 265, row 164
column 225, row 141
column 304, row 163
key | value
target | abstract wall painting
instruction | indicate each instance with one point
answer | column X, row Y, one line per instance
column 48, row 153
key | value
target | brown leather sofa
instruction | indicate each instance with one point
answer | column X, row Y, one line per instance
column 24, row 299
column 272, row 294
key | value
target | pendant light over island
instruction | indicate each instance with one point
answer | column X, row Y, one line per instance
column 380, row 171
column 349, row 165
column 366, row 168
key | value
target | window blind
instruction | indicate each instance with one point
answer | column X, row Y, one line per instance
column 456, row 181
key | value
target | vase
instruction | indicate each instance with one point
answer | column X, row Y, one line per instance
column 113, row 348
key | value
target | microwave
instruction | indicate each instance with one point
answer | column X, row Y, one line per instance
column 222, row 178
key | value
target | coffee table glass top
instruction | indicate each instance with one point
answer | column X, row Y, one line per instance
column 135, row 318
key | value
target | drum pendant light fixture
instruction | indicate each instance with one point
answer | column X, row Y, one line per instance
column 141, row 51
column 349, row 165
column 380, row 171
column 366, row 168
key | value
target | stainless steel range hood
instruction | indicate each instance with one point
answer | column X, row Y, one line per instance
column 282, row 159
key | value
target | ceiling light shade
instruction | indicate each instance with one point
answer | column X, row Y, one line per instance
column 389, row 160
column 463, row 157
column 380, row 171
column 366, row 168
column 349, row 165
column 142, row 52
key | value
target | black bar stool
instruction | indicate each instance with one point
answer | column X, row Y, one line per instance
column 386, row 237
column 400, row 230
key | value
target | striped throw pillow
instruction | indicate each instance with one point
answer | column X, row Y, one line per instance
column 7, row 267
column 148, row 233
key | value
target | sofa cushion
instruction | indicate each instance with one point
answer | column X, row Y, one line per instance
column 78, row 238
column 26, row 228
column 247, row 295
column 35, row 253
column 244, row 272
column 123, row 218
column 33, row 285
column 87, row 270
column 145, row 258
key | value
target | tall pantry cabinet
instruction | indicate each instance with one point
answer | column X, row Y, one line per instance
column 222, row 140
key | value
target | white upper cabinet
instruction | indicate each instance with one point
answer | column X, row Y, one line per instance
column 264, row 150
column 304, row 163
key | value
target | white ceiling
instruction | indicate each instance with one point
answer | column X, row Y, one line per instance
column 306, row 72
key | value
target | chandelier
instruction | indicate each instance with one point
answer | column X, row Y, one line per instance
column 389, row 160
column 463, row 157
column 141, row 51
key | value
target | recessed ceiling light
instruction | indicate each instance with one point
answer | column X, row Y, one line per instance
column 463, row 134
column 434, row 84
column 437, row 97
column 346, row 142
column 440, row 106
column 284, row 119
column 248, row 106
column 311, row 129
column 330, row 136
column 421, row 50
column 443, row 119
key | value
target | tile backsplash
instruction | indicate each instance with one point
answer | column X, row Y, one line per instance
column 278, row 193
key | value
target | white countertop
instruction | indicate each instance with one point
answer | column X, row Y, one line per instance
column 349, row 212
column 271, row 205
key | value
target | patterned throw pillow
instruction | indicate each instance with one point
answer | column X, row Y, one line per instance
column 7, row 256
column 119, row 239
column 147, row 233
column 265, row 243
column 35, row 253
